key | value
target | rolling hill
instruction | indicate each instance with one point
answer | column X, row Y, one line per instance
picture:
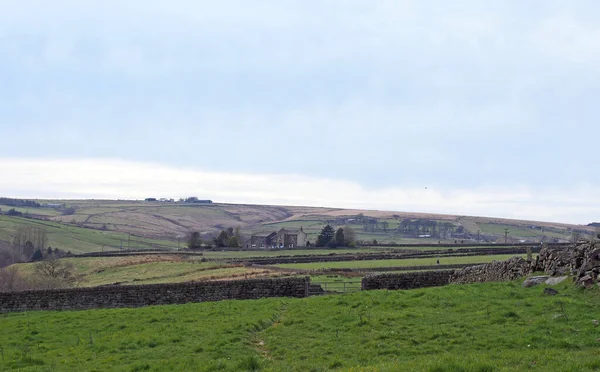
column 93, row 225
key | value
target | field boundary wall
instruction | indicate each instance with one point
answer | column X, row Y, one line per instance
column 153, row 294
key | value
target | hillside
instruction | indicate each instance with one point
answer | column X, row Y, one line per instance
column 93, row 225
column 478, row 327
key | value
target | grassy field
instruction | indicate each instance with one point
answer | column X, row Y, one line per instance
column 285, row 252
column 479, row 327
column 151, row 269
column 520, row 232
column 48, row 212
column 78, row 239
column 394, row 263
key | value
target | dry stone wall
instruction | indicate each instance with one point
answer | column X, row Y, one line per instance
column 496, row 271
column 156, row 294
column 581, row 260
column 407, row 280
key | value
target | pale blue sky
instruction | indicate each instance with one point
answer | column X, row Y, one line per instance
column 464, row 97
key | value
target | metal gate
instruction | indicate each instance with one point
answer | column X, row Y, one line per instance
column 332, row 287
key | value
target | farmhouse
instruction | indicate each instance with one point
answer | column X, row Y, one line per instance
column 280, row 239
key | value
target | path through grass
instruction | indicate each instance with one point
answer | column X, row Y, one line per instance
column 479, row 327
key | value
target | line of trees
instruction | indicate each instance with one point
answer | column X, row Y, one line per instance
column 230, row 237
column 19, row 202
column 424, row 226
column 342, row 237
column 28, row 244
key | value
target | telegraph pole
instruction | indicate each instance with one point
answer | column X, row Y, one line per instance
column 506, row 235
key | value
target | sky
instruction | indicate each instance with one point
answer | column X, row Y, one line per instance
column 465, row 107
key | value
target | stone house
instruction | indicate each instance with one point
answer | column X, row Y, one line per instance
column 280, row 239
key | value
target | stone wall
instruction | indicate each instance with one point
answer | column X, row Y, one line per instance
column 496, row 271
column 156, row 294
column 407, row 280
column 582, row 260
column 399, row 254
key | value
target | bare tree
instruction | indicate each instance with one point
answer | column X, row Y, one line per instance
column 12, row 280
column 7, row 278
column 10, row 255
column 28, row 238
column 56, row 273
column 349, row 236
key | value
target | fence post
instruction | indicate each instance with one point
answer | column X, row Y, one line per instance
column 306, row 285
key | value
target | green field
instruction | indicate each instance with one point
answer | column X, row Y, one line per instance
column 478, row 327
column 78, row 239
column 397, row 263
column 521, row 232
column 48, row 212
column 150, row 269
column 285, row 252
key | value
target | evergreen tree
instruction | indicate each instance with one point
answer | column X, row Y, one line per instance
column 37, row 255
column 340, row 240
column 222, row 239
column 327, row 234
column 194, row 241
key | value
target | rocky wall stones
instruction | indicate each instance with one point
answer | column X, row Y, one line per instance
column 496, row 271
column 581, row 260
column 156, row 294
column 410, row 280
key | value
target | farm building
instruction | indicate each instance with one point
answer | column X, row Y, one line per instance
column 280, row 239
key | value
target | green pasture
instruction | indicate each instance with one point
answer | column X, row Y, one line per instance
column 478, row 327
column 78, row 239
column 48, row 212
column 284, row 252
column 394, row 263
column 98, row 271
column 521, row 232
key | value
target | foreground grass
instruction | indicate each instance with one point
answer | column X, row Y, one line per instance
column 479, row 327
column 397, row 263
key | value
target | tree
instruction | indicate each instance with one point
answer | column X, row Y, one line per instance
column 194, row 241
column 340, row 240
column 326, row 235
column 222, row 239
column 37, row 255
column 29, row 250
column 55, row 273
column 35, row 236
column 14, row 212
column 350, row 237
column 233, row 242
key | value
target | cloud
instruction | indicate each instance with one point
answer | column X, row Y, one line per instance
column 382, row 95
column 117, row 179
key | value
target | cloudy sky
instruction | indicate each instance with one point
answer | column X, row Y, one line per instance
column 463, row 107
